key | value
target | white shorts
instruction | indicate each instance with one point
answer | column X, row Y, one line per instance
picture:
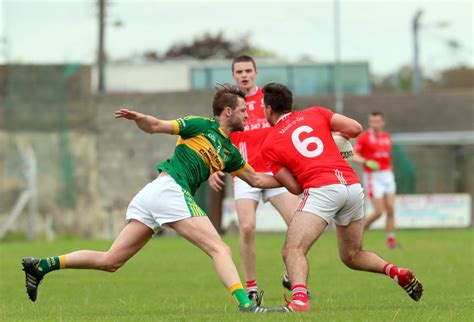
column 379, row 183
column 162, row 201
column 242, row 190
column 342, row 203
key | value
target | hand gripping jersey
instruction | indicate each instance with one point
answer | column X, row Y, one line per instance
column 201, row 150
column 375, row 147
column 302, row 142
column 256, row 130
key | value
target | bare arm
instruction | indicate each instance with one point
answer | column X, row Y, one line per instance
column 358, row 158
column 146, row 123
column 286, row 178
column 346, row 126
column 265, row 181
column 258, row 179
column 372, row 164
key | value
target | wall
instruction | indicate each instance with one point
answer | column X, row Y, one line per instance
column 91, row 165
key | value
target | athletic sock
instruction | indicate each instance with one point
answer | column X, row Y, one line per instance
column 390, row 270
column 251, row 286
column 238, row 293
column 49, row 264
column 391, row 239
column 300, row 294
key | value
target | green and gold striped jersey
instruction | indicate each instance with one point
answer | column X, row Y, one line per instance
column 202, row 149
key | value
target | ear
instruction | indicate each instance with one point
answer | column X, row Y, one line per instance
column 269, row 109
column 228, row 111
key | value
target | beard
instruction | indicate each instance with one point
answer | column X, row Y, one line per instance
column 237, row 125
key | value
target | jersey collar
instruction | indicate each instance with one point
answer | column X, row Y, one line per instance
column 256, row 91
column 284, row 116
column 219, row 127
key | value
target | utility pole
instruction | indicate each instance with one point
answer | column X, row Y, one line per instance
column 101, row 50
column 416, row 74
column 337, row 51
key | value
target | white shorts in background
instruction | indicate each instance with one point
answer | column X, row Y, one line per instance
column 379, row 183
column 342, row 203
column 242, row 190
column 162, row 201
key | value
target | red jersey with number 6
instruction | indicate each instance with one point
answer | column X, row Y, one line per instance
column 302, row 142
column 256, row 130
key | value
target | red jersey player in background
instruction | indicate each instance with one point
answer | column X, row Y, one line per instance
column 300, row 151
column 244, row 72
column 373, row 150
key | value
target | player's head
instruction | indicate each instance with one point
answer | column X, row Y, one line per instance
column 244, row 72
column 229, row 105
column 278, row 100
column 376, row 121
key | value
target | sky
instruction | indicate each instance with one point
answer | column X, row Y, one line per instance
column 35, row 31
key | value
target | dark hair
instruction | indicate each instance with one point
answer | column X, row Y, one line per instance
column 279, row 97
column 376, row 113
column 226, row 95
column 243, row 58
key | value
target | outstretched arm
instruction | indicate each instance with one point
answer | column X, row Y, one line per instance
column 146, row 123
column 265, row 181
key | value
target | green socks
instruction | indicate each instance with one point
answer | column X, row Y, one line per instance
column 46, row 265
column 238, row 293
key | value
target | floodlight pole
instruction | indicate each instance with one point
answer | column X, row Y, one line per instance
column 337, row 51
column 101, row 50
column 416, row 74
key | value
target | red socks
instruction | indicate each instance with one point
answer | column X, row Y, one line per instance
column 390, row 270
column 251, row 286
column 300, row 293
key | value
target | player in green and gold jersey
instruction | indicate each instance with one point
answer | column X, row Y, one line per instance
column 202, row 149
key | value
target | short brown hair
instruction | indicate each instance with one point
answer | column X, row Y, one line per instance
column 376, row 113
column 226, row 95
column 242, row 59
column 279, row 97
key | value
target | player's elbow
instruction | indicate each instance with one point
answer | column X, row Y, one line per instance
column 354, row 129
column 296, row 190
column 256, row 182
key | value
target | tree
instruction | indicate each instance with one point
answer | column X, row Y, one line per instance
column 458, row 77
column 212, row 46
column 400, row 80
column 207, row 46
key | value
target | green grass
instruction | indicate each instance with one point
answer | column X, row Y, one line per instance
column 171, row 280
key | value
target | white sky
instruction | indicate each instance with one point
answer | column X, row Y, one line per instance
column 375, row 31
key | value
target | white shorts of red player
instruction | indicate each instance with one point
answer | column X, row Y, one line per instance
column 242, row 190
column 342, row 203
column 379, row 183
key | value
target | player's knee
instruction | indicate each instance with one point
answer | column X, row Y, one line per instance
column 378, row 213
column 221, row 250
column 247, row 232
column 111, row 264
column 291, row 251
column 349, row 258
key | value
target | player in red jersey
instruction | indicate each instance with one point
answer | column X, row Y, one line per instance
column 249, row 142
column 300, row 148
column 373, row 150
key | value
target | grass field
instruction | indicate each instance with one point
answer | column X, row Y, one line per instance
column 171, row 280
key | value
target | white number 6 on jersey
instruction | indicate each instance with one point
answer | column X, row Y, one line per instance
column 302, row 146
